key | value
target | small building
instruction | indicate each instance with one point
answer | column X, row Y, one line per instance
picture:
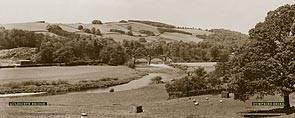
column 136, row 109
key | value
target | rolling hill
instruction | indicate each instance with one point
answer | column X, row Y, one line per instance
column 137, row 29
column 224, row 40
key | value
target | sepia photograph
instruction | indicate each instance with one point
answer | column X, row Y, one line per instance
column 147, row 58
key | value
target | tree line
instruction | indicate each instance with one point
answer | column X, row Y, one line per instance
column 69, row 47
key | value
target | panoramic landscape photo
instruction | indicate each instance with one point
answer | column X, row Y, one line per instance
column 147, row 59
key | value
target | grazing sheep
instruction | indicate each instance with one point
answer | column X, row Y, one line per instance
column 84, row 115
column 196, row 103
column 194, row 100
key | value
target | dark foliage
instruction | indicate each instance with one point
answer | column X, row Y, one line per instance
column 19, row 38
column 153, row 23
column 148, row 33
column 117, row 30
column 80, row 27
column 96, row 22
column 163, row 30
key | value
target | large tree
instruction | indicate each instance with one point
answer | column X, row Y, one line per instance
column 134, row 49
column 266, row 64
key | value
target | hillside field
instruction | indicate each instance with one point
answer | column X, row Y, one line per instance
column 106, row 27
column 70, row 74
column 154, row 100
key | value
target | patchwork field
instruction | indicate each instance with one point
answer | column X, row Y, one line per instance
column 181, row 37
column 107, row 26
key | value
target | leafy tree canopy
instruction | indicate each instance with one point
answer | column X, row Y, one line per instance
column 266, row 65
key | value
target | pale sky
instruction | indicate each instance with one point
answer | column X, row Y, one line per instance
column 239, row 15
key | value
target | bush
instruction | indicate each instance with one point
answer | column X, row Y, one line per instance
column 93, row 30
column 123, row 21
column 163, row 30
column 53, row 87
column 56, row 29
column 130, row 33
column 130, row 64
column 112, row 90
column 2, row 28
column 148, row 33
column 98, row 32
column 80, row 27
column 40, row 22
column 87, row 30
column 194, row 84
column 52, row 28
column 142, row 40
column 179, row 66
column 96, row 22
column 117, row 30
column 157, row 80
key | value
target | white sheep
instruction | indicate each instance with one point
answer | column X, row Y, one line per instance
column 196, row 103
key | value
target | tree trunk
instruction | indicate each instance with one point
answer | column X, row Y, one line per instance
column 286, row 101
column 134, row 60
column 149, row 61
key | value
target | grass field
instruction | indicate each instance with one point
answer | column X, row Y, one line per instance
column 154, row 100
column 181, row 37
column 107, row 26
column 70, row 74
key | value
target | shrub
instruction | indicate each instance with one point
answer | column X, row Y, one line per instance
column 112, row 90
column 87, row 30
column 123, row 21
column 117, row 30
column 93, row 30
column 130, row 64
column 40, row 22
column 194, row 84
column 2, row 28
column 149, row 33
column 96, row 22
column 179, row 66
column 143, row 40
column 130, row 33
column 56, row 29
column 129, row 28
column 80, row 27
column 157, row 80
column 52, row 28
column 53, row 87
column 163, row 30
column 98, row 32
column 109, row 79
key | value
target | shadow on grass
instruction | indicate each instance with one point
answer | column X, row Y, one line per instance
column 288, row 111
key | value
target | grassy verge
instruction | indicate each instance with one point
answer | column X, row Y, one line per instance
column 60, row 86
